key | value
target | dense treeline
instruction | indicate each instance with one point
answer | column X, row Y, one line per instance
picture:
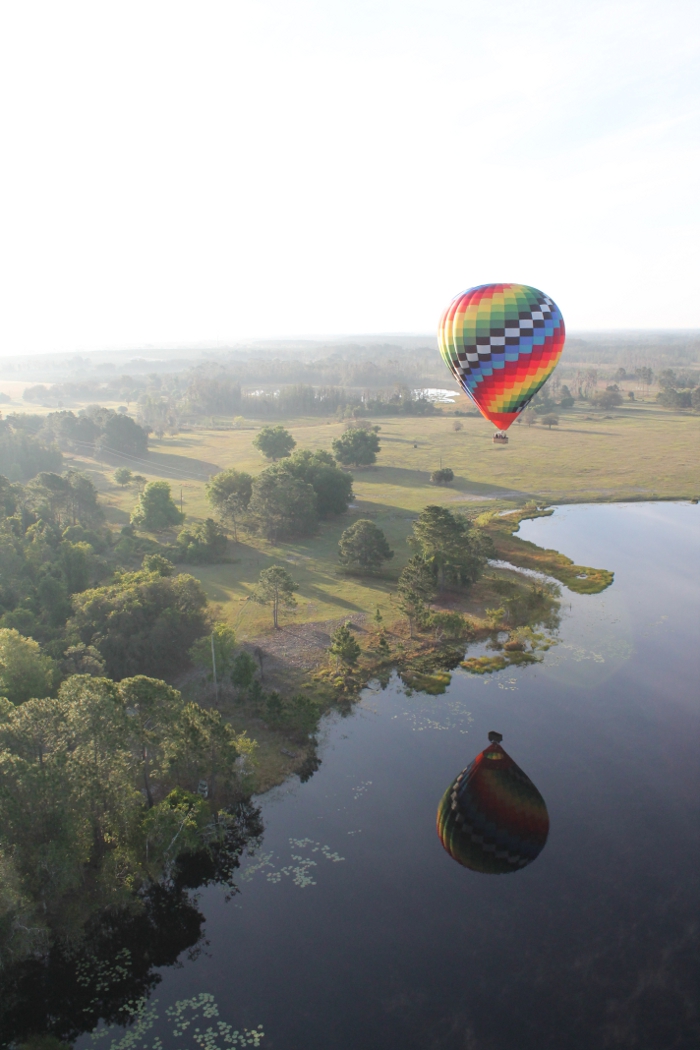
column 23, row 454
column 213, row 391
column 106, row 790
column 65, row 583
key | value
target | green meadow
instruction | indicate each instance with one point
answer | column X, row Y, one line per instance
column 640, row 452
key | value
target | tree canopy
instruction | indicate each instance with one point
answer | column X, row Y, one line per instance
column 451, row 545
column 358, row 447
column 282, row 506
column 101, row 782
column 44, row 559
column 24, row 670
column 416, row 587
column 23, row 454
column 333, row 487
column 364, row 547
column 274, row 442
column 156, row 510
column 276, row 588
column 142, row 623
column 229, row 493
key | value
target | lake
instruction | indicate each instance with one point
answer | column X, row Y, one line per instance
column 353, row 927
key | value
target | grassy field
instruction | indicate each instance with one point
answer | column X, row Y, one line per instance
column 639, row 453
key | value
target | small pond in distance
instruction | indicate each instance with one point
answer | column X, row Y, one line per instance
column 355, row 929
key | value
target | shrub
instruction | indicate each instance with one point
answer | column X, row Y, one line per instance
column 202, row 544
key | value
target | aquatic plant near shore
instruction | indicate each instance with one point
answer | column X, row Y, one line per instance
column 182, row 1016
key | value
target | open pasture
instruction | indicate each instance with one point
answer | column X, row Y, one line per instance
column 640, row 452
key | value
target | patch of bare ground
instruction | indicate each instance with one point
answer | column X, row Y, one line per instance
column 294, row 650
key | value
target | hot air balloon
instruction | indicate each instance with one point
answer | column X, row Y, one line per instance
column 493, row 819
column 501, row 342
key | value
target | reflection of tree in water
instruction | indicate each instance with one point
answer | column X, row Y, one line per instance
column 101, row 971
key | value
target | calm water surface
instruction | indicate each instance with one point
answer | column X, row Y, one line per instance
column 354, row 928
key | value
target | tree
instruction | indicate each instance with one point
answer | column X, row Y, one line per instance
column 142, row 623
column 357, row 447
column 122, row 476
column 529, row 417
column 550, row 420
column 276, row 588
column 416, row 587
column 82, row 659
column 363, row 547
column 417, row 575
column 333, row 487
column 344, row 646
column 152, row 708
column 64, row 499
column 243, row 671
column 282, row 506
column 455, row 550
column 456, row 426
column 22, row 455
column 229, row 493
column 122, row 434
column 24, row 670
column 224, row 644
column 443, row 476
column 274, row 442
column 156, row 510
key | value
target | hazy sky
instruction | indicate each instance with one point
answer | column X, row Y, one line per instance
column 176, row 173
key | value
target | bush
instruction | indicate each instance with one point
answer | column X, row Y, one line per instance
column 450, row 625
column 443, row 476
column 202, row 544
column 606, row 399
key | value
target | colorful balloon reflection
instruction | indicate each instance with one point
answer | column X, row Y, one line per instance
column 493, row 819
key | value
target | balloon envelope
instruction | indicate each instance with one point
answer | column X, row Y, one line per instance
column 501, row 342
column 493, row 819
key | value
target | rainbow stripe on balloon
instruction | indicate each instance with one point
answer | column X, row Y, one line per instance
column 493, row 819
column 501, row 342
